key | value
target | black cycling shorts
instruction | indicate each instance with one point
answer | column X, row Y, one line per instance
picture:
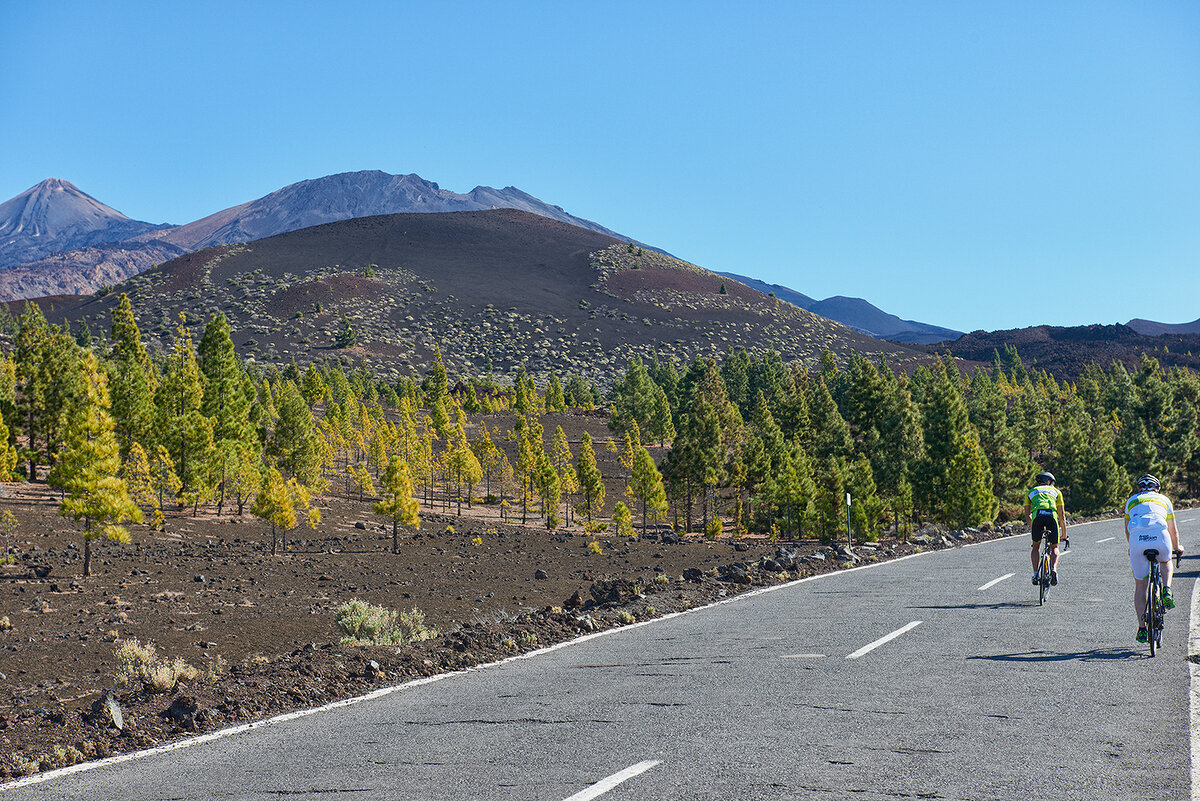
column 1046, row 522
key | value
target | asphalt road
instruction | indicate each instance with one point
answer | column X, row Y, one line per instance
column 789, row 693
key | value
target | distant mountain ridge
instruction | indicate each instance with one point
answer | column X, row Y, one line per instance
column 1065, row 351
column 50, row 235
column 857, row 314
column 1152, row 329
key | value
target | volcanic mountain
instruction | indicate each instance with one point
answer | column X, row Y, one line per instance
column 55, row 216
column 493, row 289
column 56, row 245
column 856, row 313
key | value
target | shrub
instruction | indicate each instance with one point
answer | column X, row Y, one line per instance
column 625, row 617
column 367, row 624
column 140, row 663
column 594, row 547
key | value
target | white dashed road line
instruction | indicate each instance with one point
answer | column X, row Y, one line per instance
column 604, row 785
column 1106, row 539
column 994, row 582
column 866, row 649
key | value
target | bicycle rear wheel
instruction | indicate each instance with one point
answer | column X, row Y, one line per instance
column 1153, row 617
column 1043, row 578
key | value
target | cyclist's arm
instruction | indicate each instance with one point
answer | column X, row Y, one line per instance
column 1028, row 512
column 1174, row 532
column 1062, row 517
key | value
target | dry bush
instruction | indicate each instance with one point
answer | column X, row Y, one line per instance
column 366, row 624
column 140, row 663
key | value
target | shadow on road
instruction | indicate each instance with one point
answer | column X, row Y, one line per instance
column 1096, row 655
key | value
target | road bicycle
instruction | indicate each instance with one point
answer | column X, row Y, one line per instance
column 1155, row 611
column 1044, row 571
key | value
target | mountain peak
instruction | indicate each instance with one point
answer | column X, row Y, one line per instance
column 56, row 215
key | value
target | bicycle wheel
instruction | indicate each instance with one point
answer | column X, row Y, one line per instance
column 1043, row 578
column 1153, row 617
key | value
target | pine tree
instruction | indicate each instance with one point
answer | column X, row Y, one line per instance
column 132, row 381
column 436, row 385
column 8, row 455
column 560, row 456
column 276, row 503
column 31, row 343
column 293, row 445
column 89, row 465
column 463, row 464
column 622, row 520
column 970, row 501
column 182, row 429
column 866, row 508
column 633, row 398
column 555, row 402
column 591, row 484
column 224, row 401
column 139, row 480
column 397, row 501
column 549, row 488
column 166, row 482
column 646, row 485
column 660, row 426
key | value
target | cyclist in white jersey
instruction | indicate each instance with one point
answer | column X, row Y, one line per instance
column 1150, row 523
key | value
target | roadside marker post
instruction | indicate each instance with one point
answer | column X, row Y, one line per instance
column 849, row 538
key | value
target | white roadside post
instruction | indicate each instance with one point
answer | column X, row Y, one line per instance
column 849, row 539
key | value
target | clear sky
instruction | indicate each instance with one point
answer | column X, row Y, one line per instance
column 968, row 164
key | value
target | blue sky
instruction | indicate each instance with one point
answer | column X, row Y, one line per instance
column 974, row 165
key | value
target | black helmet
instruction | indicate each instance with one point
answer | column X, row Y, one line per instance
column 1148, row 482
column 1044, row 478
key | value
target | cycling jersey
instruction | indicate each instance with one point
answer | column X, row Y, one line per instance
column 1146, row 517
column 1148, row 509
column 1044, row 498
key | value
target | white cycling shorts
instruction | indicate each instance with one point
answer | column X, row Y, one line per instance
column 1148, row 537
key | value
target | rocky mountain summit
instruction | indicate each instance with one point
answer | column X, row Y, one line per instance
column 55, row 216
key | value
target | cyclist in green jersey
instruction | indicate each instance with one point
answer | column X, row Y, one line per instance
column 1046, row 518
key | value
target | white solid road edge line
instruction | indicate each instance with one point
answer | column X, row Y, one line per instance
column 868, row 648
column 994, row 582
column 604, row 785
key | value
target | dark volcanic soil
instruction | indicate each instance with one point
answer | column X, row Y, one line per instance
column 210, row 592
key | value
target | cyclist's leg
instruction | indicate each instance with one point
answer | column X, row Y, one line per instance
column 1167, row 569
column 1139, row 600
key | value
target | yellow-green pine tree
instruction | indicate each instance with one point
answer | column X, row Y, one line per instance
column 89, row 464
column 397, row 501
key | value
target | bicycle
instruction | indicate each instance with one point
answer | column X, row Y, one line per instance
column 1155, row 611
column 1044, row 571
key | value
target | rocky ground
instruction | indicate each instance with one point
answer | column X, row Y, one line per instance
column 260, row 630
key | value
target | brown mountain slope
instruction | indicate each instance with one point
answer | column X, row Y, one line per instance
column 500, row 287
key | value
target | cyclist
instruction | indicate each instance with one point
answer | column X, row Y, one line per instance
column 1046, row 518
column 1150, row 523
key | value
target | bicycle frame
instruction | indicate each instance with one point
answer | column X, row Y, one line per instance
column 1155, row 610
column 1044, row 571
